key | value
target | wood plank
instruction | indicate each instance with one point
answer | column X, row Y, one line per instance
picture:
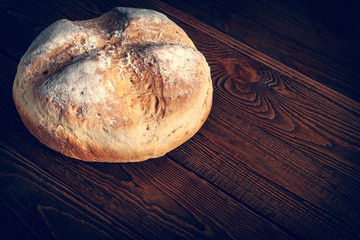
column 318, row 40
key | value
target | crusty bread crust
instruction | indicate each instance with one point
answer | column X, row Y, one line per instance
column 124, row 87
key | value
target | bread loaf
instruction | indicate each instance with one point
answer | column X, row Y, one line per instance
column 124, row 87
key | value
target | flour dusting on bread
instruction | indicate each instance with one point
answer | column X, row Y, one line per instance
column 71, row 85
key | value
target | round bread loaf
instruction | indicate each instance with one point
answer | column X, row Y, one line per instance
column 124, row 87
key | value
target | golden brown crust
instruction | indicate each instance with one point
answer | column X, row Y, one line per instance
column 127, row 86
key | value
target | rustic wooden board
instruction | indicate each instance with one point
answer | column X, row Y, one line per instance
column 278, row 157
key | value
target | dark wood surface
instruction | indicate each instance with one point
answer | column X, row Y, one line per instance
column 278, row 157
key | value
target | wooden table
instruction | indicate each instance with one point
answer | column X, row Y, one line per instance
column 278, row 157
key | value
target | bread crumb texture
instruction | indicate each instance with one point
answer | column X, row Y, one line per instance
column 124, row 87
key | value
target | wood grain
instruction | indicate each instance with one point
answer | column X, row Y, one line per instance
column 318, row 39
column 278, row 157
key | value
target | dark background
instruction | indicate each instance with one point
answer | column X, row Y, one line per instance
column 278, row 157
